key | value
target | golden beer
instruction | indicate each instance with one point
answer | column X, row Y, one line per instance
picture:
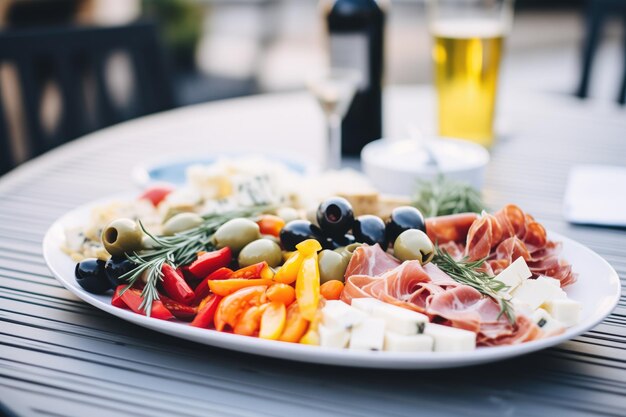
column 467, row 58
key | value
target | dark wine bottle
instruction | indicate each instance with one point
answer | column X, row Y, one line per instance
column 356, row 42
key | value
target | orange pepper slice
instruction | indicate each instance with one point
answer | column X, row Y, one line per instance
column 249, row 322
column 226, row 287
column 295, row 325
column 273, row 321
column 270, row 224
column 234, row 305
column 282, row 293
column 331, row 290
column 288, row 273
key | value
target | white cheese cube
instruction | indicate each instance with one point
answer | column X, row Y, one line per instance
column 449, row 339
column 400, row 320
column 336, row 337
column 339, row 314
column 396, row 342
column 564, row 310
column 514, row 275
column 546, row 322
column 368, row 335
column 549, row 280
column 535, row 293
column 366, row 305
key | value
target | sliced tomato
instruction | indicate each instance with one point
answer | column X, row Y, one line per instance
column 175, row 285
column 117, row 298
column 228, row 286
column 260, row 270
column 234, row 305
column 179, row 310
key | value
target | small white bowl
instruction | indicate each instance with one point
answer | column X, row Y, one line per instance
column 395, row 166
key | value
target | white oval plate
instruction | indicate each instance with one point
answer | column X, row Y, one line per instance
column 597, row 288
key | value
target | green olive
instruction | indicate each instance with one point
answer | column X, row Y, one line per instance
column 148, row 243
column 272, row 238
column 288, row 214
column 181, row 222
column 413, row 244
column 122, row 236
column 347, row 251
column 332, row 265
column 236, row 234
column 258, row 251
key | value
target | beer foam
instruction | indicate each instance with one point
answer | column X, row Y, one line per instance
column 468, row 28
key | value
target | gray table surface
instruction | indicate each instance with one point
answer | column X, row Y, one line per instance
column 60, row 356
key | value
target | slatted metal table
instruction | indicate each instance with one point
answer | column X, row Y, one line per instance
column 60, row 356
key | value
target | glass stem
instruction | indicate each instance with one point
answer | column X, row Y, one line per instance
column 333, row 158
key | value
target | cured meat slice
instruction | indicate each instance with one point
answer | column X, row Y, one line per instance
column 371, row 261
column 451, row 228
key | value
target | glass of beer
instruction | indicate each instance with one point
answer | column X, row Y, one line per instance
column 468, row 37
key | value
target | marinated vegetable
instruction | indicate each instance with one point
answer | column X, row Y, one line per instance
column 332, row 265
column 414, row 244
column 236, row 234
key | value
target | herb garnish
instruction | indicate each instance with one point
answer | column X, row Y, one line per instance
column 443, row 196
column 177, row 250
column 467, row 272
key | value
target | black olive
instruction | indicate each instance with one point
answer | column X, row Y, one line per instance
column 91, row 276
column 115, row 267
column 369, row 229
column 297, row 231
column 335, row 216
column 341, row 241
column 401, row 219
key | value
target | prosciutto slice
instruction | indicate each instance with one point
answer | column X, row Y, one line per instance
column 509, row 234
column 371, row 261
column 430, row 291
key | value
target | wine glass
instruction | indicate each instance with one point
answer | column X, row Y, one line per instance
column 334, row 90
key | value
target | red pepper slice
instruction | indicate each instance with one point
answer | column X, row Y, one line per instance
column 117, row 298
column 180, row 311
column 132, row 298
column 202, row 290
column 175, row 286
column 206, row 311
column 260, row 270
column 210, row 261
column 156, row 194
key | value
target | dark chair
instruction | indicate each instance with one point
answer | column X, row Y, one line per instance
column 76, row 60
column 597, row 13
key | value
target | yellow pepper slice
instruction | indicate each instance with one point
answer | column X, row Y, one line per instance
column 273, row 321
column 308, row 247
column 288, row 273
column 308, row 286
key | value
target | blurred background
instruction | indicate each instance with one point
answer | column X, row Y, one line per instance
column 193, row 51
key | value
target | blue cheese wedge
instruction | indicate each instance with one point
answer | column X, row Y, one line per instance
column 335, row 337
column 366, row 305
column 369, row 334
column 546, row 322
column 514, row 275
column 449, row 339
column 341, row 315
column 400, row 320
column 395, row 342
column 564, row 310
column 537, row 292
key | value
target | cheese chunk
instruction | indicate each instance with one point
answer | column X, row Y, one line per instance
column 546, row 322
column 335, row 337
column 514, row 275
column 449, row 339
column 549, row 280
column 400, row 320
column 534, row 292
column 366, row 305
column 339, row 314
column 369, row 334
column 396, row 342
column 564, row 310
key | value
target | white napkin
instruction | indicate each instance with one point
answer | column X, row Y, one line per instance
column 596, row 194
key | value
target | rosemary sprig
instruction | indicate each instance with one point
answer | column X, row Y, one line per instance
column 443, row 196
column 468, row 272
column 177, row 250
